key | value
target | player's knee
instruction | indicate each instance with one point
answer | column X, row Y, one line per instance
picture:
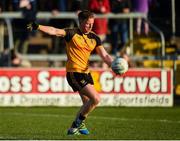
column 96, row 100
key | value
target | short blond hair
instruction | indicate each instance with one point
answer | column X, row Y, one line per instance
column 85, row 15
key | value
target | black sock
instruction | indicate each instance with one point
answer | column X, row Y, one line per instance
column 81, row 117
column 78, row 121
column 74, row 125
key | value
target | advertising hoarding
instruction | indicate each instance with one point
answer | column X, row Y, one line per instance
column 49, row 87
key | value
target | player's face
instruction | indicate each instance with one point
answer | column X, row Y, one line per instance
column 86, row 25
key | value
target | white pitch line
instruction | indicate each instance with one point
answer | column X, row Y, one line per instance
column 9, row 138
column 92, row 117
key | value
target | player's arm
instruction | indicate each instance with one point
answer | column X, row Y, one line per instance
column 52, row 30
column 104, row 55
column 47, row 29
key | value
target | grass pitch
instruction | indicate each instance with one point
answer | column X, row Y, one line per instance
column 51, row 123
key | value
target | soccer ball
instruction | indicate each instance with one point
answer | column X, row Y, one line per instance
column 119, row 65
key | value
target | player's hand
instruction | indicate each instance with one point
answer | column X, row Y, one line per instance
column 32, row 26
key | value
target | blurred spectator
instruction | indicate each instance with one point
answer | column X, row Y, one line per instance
column 119, row 27
column 100, row 25
column 56, row 7
column 2, row 8
column 5, row 5
column 28, row 9
column 62, row 5
column 10, row 58
column 141, row 6
column 77, row 5
column 2, row 5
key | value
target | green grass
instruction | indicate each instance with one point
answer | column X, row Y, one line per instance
column 51, row 123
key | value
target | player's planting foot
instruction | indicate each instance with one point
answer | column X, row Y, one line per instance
column 73, row 131
column 78, row 128
column 82, row 129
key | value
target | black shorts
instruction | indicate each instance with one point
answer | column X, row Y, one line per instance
column 78, row 80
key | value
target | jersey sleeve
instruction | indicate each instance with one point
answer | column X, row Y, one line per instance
column 98, row 40
column 69, row 34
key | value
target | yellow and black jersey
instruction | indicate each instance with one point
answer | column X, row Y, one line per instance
column 78, row 48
